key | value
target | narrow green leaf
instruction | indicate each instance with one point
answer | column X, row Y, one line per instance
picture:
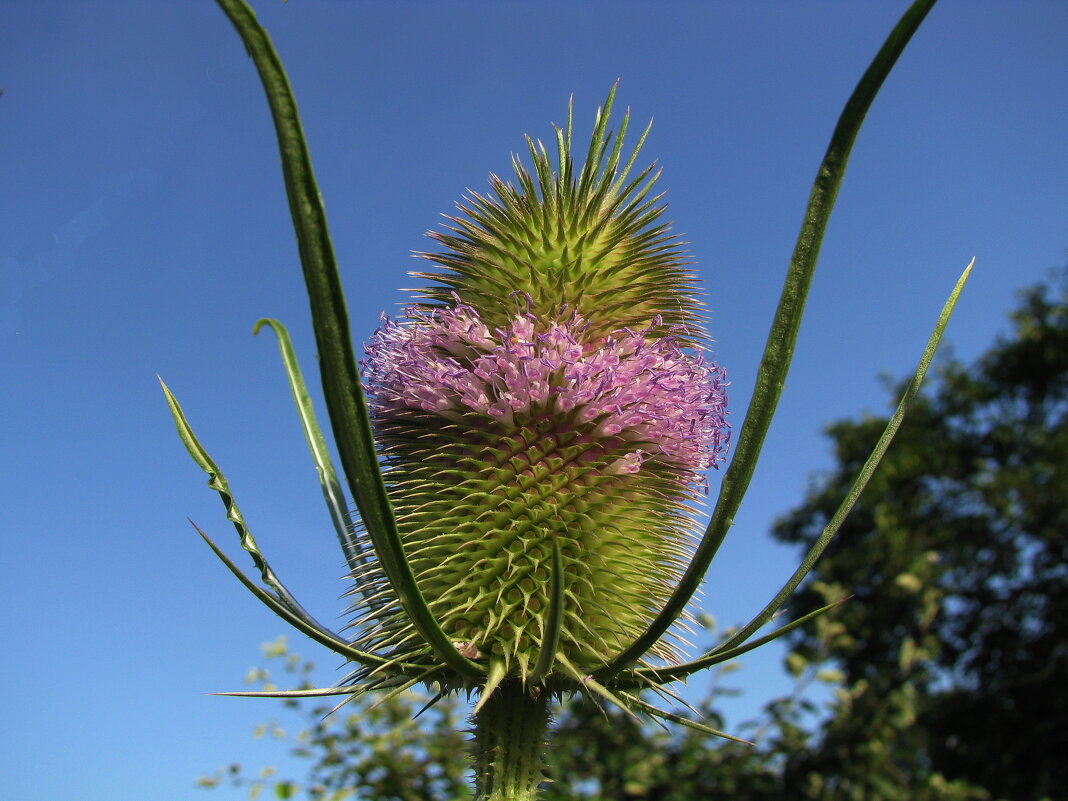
column 282, row 602
column 865, row 474
column 554, row 617
column 335, row 499
column 344, row 396
column 400, row 688
column 306, row 624
column 718, row 655
column 778, row 352
column 656, row 712
column 591, row 685
column 217, row 481
column 322, row 692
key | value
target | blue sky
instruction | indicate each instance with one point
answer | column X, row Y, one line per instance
column 143, row 230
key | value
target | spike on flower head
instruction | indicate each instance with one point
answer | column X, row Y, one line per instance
column 546, row 398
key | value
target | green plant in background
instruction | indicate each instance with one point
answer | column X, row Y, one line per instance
column 367, row 750
column 545, row 416
column 958, row 558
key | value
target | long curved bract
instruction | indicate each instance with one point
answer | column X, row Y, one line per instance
column 778, row 352
column 336, row 502
column 731, row 647
column 341, row 381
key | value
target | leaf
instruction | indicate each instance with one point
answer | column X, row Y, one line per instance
column 778, row 352
column 909, row 582
column 716, row 656
column 336, row 502
column 866, row 472
column 342, row 390
column 217, row 481
column 830, row 676
column 591, row 685
column 309, row 626
column 554, row 617
column 649, row 709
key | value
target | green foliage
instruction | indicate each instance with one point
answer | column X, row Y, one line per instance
column 955, row 649
column 598, row 752
column 365, row 750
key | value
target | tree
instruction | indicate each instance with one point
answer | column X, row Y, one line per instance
column 955, row 647
column 365, row 750
column 951, row 659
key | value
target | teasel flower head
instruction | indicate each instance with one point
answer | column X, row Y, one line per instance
column 551, row 394
column 544, row 413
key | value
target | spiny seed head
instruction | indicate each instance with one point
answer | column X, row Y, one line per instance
column 546, row 396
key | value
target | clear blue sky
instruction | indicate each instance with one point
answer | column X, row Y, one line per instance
column 143, row 229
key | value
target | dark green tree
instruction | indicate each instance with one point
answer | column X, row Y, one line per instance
column 955, row 646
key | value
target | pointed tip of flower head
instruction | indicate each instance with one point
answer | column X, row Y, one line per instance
column 590, row 238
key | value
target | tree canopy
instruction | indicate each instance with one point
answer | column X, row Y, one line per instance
column 955, row 645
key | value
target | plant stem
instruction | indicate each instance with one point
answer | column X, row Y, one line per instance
column 510, row 731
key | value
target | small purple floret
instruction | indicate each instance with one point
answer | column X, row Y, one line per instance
column 631, row 386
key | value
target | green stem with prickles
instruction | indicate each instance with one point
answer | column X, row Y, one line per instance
column 510, row 731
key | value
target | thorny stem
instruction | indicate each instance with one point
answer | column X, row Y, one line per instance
column 510, row 731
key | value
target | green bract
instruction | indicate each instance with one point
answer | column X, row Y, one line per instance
column 544, row 416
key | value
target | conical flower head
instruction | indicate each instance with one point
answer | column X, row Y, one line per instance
column 592, row 242
column 546, row 407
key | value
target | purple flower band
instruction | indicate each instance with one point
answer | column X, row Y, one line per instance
column 630, row 386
